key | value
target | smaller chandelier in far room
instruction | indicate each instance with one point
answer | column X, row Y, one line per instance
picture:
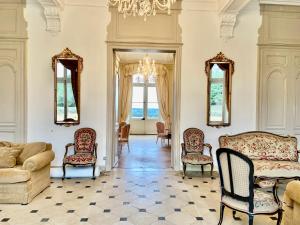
column 141, row 7
column 147, row 67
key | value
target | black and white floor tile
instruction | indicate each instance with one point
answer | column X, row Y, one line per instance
column 127, row 198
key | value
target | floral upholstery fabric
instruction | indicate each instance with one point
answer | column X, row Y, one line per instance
column 196, row 159
column 263, row 203
column 267, row 168
column 85, row 140
column 80, row 159
column 262, row 145
column 193, row 139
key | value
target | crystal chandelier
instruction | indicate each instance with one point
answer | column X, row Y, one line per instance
column 147, row 67
column 141, row 7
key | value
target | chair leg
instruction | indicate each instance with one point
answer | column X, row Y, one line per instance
column 250, row 219
column 184, row 169
column 211, row 170
column 279, row 217
column 202, row 169
column 94, row 167
column 64, row 171
column 221, row 213
column 128, row 146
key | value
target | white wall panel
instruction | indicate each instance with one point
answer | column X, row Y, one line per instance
column 276, row 100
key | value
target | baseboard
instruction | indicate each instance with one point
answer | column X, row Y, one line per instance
column 57, row 171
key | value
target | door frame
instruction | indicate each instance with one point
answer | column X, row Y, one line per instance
column 111, row 90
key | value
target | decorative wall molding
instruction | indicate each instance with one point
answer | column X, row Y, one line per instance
column 281, row 2
column 52, row 12
column 229, row 11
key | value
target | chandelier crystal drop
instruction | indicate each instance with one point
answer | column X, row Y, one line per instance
column 147, row 67
column 141, row 7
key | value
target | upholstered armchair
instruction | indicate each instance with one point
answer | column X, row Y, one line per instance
column 193, row 148
column 85, row 150
column 237, row 188
column 292, row 204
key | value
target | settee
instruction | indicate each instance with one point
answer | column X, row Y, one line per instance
column 291, row 205
column 27, row 174
column 273, row 156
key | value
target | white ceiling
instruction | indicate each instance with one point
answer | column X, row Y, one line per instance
column 134, row 57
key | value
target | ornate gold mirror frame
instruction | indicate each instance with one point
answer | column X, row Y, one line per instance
column 67, row 68
column 219, row 72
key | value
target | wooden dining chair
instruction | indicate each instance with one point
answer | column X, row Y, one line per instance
column 161, row 132
column 124, row 137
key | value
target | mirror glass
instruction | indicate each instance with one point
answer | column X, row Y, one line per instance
column 219, row 71
column 67, row 68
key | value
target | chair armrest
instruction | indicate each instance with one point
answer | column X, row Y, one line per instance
column 183, row 149
column 67, row 148
column 293, row 191
column 209, row 148
column 38, row 161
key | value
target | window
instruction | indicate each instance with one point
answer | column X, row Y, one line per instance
column 66, row 106
column 144, row 98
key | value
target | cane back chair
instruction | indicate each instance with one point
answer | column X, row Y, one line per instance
column 85, row 150
column 237, row 188
column 193, row 149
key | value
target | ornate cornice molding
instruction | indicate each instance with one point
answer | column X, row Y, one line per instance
column 229, row 11
column 52, row 12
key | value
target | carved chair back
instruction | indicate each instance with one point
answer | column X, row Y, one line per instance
column 193, row 139
column 236, row 175
column 125, row 130
column 160, row 127
column 84, row 139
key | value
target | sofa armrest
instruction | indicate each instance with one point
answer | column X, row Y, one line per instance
column 293, row 191
column 38, row 161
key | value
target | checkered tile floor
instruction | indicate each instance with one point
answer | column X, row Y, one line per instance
column 127, row 197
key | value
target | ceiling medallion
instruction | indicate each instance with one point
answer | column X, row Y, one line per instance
column 141, row 7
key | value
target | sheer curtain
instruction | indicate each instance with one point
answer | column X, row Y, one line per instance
column 126, row 90
column 162, row 89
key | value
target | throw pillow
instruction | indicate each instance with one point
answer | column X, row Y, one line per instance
column 8, row 156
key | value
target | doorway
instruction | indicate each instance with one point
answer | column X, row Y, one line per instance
column 112, row 123
column 145, row 88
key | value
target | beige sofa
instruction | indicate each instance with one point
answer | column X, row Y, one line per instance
column 291, row 207
column 30, row 176
column 273, row 156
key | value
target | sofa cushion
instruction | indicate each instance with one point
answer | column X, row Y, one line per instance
column 262, row 145
column 267, row 168
column 13, row 175
column 29, row 150
column 8, row 156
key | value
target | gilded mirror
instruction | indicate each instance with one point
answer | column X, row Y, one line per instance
column 219, row 71
column 67, row 67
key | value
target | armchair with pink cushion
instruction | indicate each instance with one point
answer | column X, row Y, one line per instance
column 85, row 150
column 193, row 150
